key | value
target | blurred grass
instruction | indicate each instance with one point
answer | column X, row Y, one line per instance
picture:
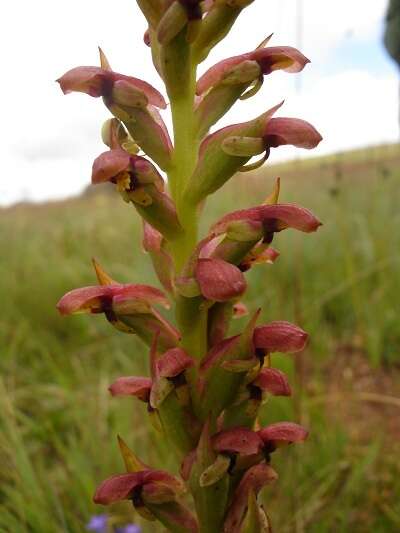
column 342, row 284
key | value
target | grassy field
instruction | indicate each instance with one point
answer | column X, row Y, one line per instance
column 58, row 424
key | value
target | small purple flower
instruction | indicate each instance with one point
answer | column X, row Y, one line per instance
column 129, row 528
column 98, row 523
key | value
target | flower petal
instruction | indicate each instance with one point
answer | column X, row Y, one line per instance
column 89, row 80
column 238, row 440
column 96, row 82
column 280, row 336
column 132, row 386
column 269, row 59
column 273, row 381
column 283, row 433
column 293, row 131
column 219, row 280
column 273, row 217
column 121, row 486
column 173, row 362
column 96, row 298
column 109, row 164
column 86, row 299
column 279, row 58
column 118, row 487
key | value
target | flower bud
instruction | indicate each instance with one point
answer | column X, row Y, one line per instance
column 113, row 133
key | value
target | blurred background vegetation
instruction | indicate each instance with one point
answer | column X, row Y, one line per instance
column 58, row 424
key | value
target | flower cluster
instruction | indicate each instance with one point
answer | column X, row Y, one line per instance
column 205, row 387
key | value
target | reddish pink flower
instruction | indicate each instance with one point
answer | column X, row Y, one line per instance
column 217, row 163
column 127, row 307
column 267, row 59
column 276, row 132
column 100, row 298
column 168, row 366
column 268, row 219
column 120, row 166
column 279, row 336
column 124, row 486
column 272, row 381
column 282, row 433
column 139, row 182
column 219, row 280
column 155, row 490
column 97, row 81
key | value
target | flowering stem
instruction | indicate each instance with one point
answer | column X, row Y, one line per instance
column 184, row 156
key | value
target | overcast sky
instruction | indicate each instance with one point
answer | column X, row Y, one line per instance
column 349, row 91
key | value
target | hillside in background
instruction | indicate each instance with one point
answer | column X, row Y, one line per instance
column 342, row 284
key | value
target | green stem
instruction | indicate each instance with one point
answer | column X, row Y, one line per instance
column 191, row 314
column 184, row 158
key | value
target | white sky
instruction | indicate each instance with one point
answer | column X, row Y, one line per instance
column 49, row 140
